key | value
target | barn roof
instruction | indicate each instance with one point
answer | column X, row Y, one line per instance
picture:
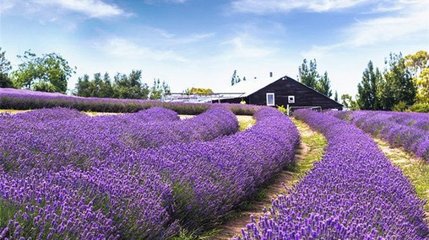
column 250, row 86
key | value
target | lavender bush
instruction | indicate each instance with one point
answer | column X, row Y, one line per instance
column 209, row 179
column 84, row 141
column 354, row 192
column 25, row 99
column 88, row 182
column 407, row 130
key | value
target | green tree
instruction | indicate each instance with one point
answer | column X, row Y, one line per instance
column 398, row 85
column 5, row 67
column 418, row 65
column 369, row 87
column 130, row 86
column 50, row 72
column 308, row 74
column 348, row 102
column 199, row 91
column 235, row 78
column 83, row 87
column 323, row 85
column 158, row 89
column 106, row 89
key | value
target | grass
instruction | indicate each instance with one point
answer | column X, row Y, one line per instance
column 11, row 111
column 314, row 143
column 245, row 122
column 416, row 170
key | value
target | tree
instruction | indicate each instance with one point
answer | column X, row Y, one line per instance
column 235, row 78
column 308, row 74
column 50, row 72
column 418, row 65
column 199, row 91
column 323, row 85
column 5, row 67
column 124, row 86
column 159, row 90
column 106, row 86
column 398, row 84
column 369, row 87
column 130, row 86
column 348, row 102
column 83, row 86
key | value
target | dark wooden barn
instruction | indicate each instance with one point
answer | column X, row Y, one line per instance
column 286, row 91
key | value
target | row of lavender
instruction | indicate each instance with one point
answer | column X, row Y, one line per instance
column 64, row 179
column 35, row 139
column 354, row 192
column 25, row 99
column 407, row 130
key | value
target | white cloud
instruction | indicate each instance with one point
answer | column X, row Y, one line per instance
column 6, row 5
column 243, row 46
column 401, row 24
column 91, row 8
column 270, row 6
column 401, row 21
column 165, row 1
column 127, row 49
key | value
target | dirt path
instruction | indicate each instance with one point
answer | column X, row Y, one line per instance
column 310, row 150
column 415, row 169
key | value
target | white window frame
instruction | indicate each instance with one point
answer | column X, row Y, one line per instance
column 291, row 99
column 274, row 99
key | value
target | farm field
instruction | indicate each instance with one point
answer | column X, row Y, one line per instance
column 163, row 174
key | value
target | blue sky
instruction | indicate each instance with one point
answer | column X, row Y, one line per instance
column 199, row 43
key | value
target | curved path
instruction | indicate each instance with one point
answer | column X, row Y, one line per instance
column 310, row 151
column 415, row 169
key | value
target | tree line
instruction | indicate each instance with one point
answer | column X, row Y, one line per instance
column 404, row 84
column 309, row 76
column 51, row 72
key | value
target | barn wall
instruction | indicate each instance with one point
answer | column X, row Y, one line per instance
column 304, row 96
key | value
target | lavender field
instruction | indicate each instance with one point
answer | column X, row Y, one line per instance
column 147, row 174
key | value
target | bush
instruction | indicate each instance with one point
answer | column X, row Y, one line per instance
column 399, row 107
column 420, row 107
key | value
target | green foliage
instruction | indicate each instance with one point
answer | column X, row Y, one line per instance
column 368, row 96
column 130, row 86
column 404, row 82
column 420, row 107
column 5, row 67
column 418, row 65
column 282, row 109
column 324, row 85
column 235, row 78
column 159, row 90
column 124, row 86
column 398, row 85
column 308, row 74
column 199, row 91
column 400, row 107
column 348, row 102
column 50, row 72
